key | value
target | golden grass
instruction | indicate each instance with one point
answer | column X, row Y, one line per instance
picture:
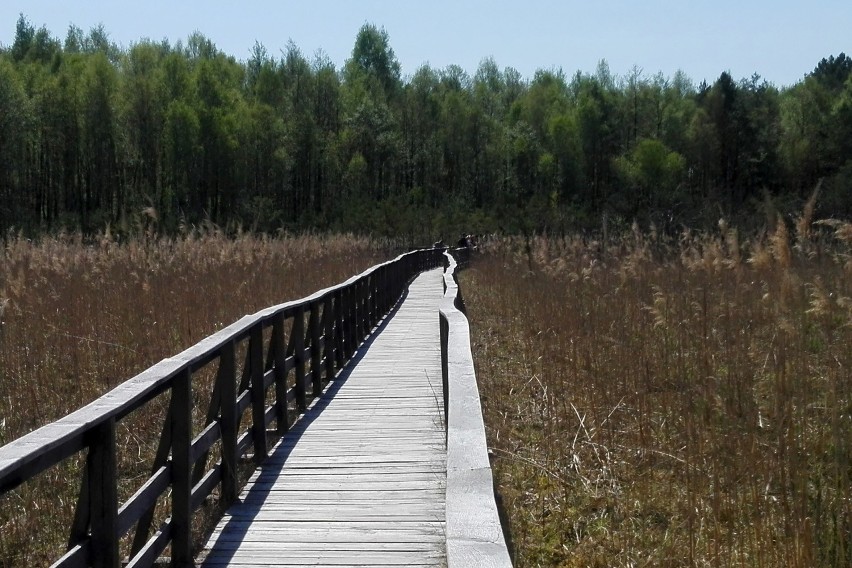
column 77, row 318
column 670, row 403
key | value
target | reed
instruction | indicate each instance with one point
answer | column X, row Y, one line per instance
column 670, row 402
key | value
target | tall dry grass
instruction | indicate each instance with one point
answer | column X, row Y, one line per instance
column 77, row 318
column 661, row 402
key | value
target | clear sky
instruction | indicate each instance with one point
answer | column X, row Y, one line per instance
column 781, row 40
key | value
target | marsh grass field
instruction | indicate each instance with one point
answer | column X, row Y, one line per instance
column 649, row 401
column 79, row 316
column 670, row 401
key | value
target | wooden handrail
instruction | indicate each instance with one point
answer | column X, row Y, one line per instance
column 326, row 330
column 474, row 533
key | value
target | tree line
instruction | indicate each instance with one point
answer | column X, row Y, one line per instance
column 172, row 136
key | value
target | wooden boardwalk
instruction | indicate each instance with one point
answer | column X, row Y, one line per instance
column 361, row 479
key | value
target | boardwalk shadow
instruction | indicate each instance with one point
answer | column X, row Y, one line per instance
column 245, row 512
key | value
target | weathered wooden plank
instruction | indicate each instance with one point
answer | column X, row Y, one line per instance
column 307, row 516
column 316, row 454
column 374, row 460
column 341, row 559
column 297, row 547
column 401, row 437
column 272, row 557
column 382, row 557
column 364, row 475
column 368, row 499
column 365, row 538
column 390, row 422
column 307, row 564
column 311, row 468
column 398, row 501
column 336, row 527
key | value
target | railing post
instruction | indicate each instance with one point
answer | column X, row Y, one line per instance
column 351, row 313
column 328, row 318
column 316, row 354
column 343, row 325
column 298, row 339
column 339, row 355
column 356, row 314
column 396, row 279
column 358, row 328
column 103, row 496
column 392, row 279
column 182, row 470
column 366, row 313
column 384, row 292
column 367, row 318
column 258, row 393
column 364, row 304
column 375, row 307
column 373, row 299
column 279, row 355
column 160, row 459
column 229, row 421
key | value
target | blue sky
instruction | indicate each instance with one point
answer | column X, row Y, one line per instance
column 781, row 40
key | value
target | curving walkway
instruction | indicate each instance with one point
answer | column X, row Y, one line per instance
column 361, row 479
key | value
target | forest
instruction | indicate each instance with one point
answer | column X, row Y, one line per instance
column 168, row 137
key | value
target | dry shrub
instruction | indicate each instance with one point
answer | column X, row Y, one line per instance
column 664, row 403
column 79, row 317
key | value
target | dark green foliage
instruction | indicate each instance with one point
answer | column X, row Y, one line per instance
column 160, row 136
column 374, row 62
column 834, row 71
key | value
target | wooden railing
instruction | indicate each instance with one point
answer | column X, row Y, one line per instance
column 294, row 347
column 474, row 533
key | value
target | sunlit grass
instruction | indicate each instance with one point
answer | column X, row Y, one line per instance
column 669, row 402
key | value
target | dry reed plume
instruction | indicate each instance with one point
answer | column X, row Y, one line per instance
column 77, row 318
column 655, row 402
